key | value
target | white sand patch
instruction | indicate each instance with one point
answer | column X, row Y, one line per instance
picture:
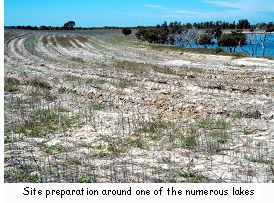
column 177, row 63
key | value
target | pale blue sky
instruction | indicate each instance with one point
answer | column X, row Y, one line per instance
column 92, row 13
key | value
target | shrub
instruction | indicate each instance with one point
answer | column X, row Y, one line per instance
column 232, row 40
column 205, row 40
column 126, row 31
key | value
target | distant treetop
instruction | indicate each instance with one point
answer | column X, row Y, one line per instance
column 69, row 25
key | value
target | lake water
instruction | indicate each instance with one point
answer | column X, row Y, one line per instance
column 254, row 47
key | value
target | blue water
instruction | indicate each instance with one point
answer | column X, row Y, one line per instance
column 254, row 48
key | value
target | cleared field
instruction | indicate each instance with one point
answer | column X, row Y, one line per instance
column 95, row 106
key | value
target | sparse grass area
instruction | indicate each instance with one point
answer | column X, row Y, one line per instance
column 53, row 41
column 73, row 161
column 247, row 131
column 164, row 70
column 11, row 85
column 70, row 78
column 45, row 94
column 85, row 179
column 133, row 67
column 258, row 160
column 20, row 176
column 223, row 139
column 77, row 60
column 46, row 122
column 97, row 106
column 182, row 174
column 7, row 137
column 44, row 40
column 138, row 143
column 124, row 84
column 196, row 50
column 57, row 148
column 64, row 41
column 89, row 81
column 31, row 43
column 7, row 158
column 100, row 82
column 152, row 127
column 238, row 115
column 9, row 35
column 116, row 148
column 38, row 82
column 189, row 141
column 210, row 125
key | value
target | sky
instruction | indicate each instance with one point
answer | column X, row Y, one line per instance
column 97, row 13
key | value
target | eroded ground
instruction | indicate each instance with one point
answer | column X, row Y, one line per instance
column 100, row 107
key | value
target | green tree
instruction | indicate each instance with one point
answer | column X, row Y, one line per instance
column 232, row 40
column 69, row 25
column 217, row 34
column 205, row 40
column 126, row 31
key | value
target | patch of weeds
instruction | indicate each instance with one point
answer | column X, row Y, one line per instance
column 97, row 106
column 246, row 131
column 189, row 141
column 36, row 82
column 89, row 81
column 156, row 137
column 164, row 70
column 189, row 176
column 62, row 109
column 78, row 60
column 238, row 115
column 7, row 158
column 124, row 84
column 71, row 78
column 86, row 145
column 197, row 178
column 73, row 161
column 35, row 129
column 18, row 176
column 210, row 125
column 222, row 139
column 64, row 41
column 138, row 143
column 152, row 127
column 85, row 179
column 17, row 104
column 102, row 154
column 9, row 35
column 39, row 94
column 116, row 151
column 100, row 82
column 44, row 41
column 30, row 43
column 46, row 122
column 133, row 67
column 11, row 85
column 53, row 41
column 54, row 149
column 258, row 160
column 7, row 137
column 175, row 173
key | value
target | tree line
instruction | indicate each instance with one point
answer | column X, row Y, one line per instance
column 183, row 35
column 241, row 24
